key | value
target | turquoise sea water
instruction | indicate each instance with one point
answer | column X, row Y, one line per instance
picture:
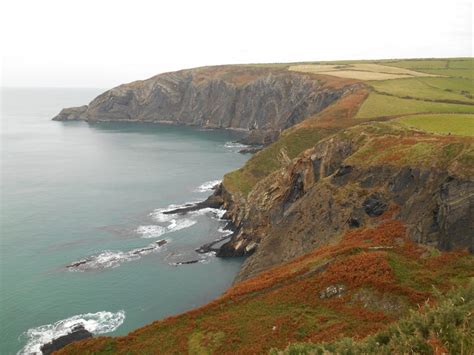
column 73, row 191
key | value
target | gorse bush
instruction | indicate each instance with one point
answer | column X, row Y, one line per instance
column 447, row 327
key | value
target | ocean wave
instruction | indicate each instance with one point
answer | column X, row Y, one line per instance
column 176, row 221
column 216, row 213
column 110, row 259
column 151, row 231
column 208, row 186
column 96, row 323
column 235, row 146
column 225, row 232
column 204, row 258
column 178, row 224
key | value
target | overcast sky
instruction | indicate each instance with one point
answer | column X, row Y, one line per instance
column 102, row 43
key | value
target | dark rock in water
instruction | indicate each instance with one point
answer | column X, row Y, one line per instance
column 161, row 242
column 213, row 201
column 206, row 248
column 374, row 205
column 142, row 250
column 250, row 150
column 78, row 263
column 186, row 262
column 77, row 333
column 260, row 137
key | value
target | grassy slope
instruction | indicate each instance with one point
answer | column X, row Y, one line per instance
column 441, row 329
column 449, row 94
column 293, row 141
column 283, row 305
column 444, row 124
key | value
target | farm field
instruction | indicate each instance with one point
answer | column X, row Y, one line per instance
column 462, row 125
column 441, row 89
column 380, row 105
column 360, row 71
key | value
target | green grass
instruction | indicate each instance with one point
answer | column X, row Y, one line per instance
column 380, row 105
column 442, row 123
column 453, row 89
column 448, row 327
column 456, row 67
column 419, row 63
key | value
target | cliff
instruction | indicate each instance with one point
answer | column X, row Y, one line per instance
column 261, row 100
column 349, row 179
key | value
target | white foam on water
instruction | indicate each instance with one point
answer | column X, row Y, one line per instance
column 224, row 231
column 159, row 215
column 235, row 146
column 214, row 212
column 208, row 186
column 151, row 231
column 178, row 224
column 96, row 323
column 110, row 259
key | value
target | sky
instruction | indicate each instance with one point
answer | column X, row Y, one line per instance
column 103, row 43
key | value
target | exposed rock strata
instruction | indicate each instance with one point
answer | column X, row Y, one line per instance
column 261, row 101
column 326, row 191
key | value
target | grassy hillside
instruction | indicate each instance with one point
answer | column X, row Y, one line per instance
column 354, row 288
column 440, row 329
column 442, row 123
column 415, row 87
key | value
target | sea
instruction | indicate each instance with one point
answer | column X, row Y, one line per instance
column 83, row 236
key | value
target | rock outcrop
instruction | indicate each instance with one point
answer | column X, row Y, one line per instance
column 77, row 333
column 351, row 180
column 262, row 101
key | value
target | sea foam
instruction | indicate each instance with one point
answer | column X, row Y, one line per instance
column 96, row 323
column 110, row 259
column 235, row 146
column 208, row 186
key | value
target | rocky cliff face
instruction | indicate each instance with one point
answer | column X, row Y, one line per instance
column 260, row 100
column 352, row 180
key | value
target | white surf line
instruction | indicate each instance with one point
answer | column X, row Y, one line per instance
column 110, row 259
column 96, row 323
column 208, row 186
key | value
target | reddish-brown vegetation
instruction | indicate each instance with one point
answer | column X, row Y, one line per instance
column 283, row 304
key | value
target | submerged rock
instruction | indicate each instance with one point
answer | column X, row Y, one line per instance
column 213, row 201
column 77, row 333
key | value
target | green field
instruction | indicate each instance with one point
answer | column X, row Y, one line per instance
column 379, row 105
column 451, row 92
column 456, row 68
column 438, row 123
column 441, row 89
